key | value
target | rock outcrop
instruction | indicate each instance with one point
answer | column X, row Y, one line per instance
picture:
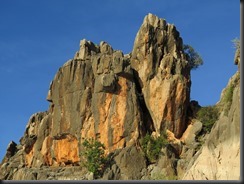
column 118, row 99
column 94, row 95
column 163, row 74
column 219, row 157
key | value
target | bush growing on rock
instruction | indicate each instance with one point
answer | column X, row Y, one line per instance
column 95, row 159
column 228, row 94
column 152, row 146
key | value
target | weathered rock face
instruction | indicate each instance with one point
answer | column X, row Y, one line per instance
column 219, row 157
column 163, row 74
column 92, row 95
column 128, row 164
column 115, row 98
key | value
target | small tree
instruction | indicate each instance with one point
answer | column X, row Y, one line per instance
column 193, row 57
column 152, row 146
column 94, row 156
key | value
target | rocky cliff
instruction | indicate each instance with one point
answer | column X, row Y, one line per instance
column 163, row 74
column 219, row 157
column 116, row 99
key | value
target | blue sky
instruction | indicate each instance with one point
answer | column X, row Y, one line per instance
column 38, row 37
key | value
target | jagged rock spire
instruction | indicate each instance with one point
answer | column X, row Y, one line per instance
column 164, row 75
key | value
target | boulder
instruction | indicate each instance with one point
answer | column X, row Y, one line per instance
column 130, row 162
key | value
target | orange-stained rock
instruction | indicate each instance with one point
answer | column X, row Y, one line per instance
column 98, row 94
column 66, row 150
column 176, row 143
column 46, row 150
column 94, row 95
column 113, row 117
column 29, row 158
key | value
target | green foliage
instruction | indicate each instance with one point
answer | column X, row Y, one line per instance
column 229, row 93
column 228, row 98
column 152, row 146
column 208, row 116
column 94, row 156
column 193, row 57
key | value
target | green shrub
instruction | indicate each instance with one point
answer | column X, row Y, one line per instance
column 229, row 94
column 95, row 159
column 208, row 116
column 152, row 146
column 228, row 98
column 193, row 57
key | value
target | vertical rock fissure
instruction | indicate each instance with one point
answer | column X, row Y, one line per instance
column 147, row 119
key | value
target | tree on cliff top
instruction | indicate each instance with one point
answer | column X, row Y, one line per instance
column 194, row 59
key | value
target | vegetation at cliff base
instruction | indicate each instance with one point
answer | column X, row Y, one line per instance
column 208, row 116
column 94, row 156
column 152, row 146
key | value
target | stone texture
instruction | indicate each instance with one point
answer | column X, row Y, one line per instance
column 92, row 96
column 190, row 133
column 131, row 162
column 164, row 168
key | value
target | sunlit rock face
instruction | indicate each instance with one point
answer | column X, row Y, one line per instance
column 94, row 95
column 163, row 73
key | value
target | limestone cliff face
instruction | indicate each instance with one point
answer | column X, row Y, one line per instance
column 219, row 157
column 163, row 73
column 115, row 98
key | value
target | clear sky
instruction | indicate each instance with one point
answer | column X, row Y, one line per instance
column 39, row 36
